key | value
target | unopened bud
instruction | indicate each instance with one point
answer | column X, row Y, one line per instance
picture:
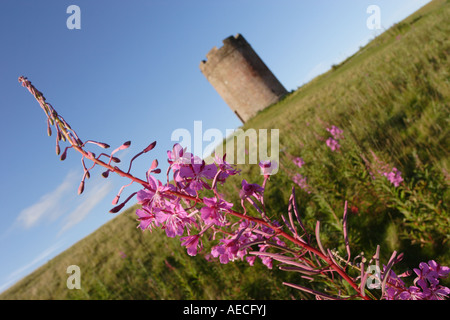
column 150, row 146
column 105, row 174
column 64, row 155
column 117, row 208
column 115, row 200
column 154, row 164
column 125, row 145
column 81, row 188
column 58, row 149
column 100, row 144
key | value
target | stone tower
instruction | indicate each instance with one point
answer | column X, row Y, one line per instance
column 241, row 78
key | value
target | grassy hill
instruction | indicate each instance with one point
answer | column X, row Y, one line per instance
column 391, row 99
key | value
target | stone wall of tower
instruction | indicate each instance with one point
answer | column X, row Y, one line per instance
column 241, row 78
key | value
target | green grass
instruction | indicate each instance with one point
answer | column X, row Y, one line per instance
column 390, row 98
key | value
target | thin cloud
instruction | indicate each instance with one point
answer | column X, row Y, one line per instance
column 50, row 206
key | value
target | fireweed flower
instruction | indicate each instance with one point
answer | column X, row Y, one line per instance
column 298, row 162
column 336, row 132
column 268, row 167
column 146, row 219
column 155, row 195
column 394, row 177
column 226, row 251
column 251, row 189
column 194, row 174
column 178, row 157
column 192, row 244
column 301, row 182
column 213, row 211
column 173, row 219
column 426, row 284
column 225, row 169
column 424, row 274
column 442, row 271
column 333, row 144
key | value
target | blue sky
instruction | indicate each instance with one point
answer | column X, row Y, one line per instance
column 132, row 73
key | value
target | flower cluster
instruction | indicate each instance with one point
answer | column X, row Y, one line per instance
column 301, row 182
column 299, row 162
column 379, row 167
column 394, row 176
column 426, row 284
column 190, row 175
column 333, row 141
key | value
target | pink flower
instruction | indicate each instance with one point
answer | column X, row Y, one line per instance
column 225, row 169
column 213, row 210
column 194, row 174
column 336, row 132
column 299, row 162
column 227, row 251
column 301, row 182
column 172, row 219
column 155, row 195
column 192, row 244
column 251, row 189
column 178, row 157
column 333, row 144
column 394, row 177
column 268, row 167
column 146, row 219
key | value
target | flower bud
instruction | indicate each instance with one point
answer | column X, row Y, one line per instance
column 125, row 145
column 117, row 208
column 115, row 200
column 81, row 188
column 105, row 174
column 150, row 147
column 64, row 155
column 154, row 164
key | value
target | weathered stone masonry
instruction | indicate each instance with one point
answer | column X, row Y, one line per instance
column 241, row 78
